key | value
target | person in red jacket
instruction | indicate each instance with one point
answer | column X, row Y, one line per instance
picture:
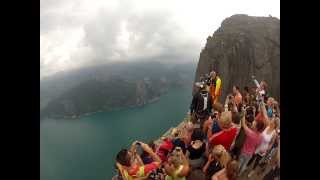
column 227, row 134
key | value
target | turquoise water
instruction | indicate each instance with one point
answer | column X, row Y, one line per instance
column 85, row 149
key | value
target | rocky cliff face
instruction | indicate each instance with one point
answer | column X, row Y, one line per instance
column 244, row 46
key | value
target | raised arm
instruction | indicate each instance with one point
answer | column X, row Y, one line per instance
column 243, row 122
column 186, row 168
column 137, row 159
column 226, row 102
column 149, row 150
column 263, row 110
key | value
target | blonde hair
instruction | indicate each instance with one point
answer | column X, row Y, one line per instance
column 272, row 100
column 276, row 123
column 225, row 119
column 221, row 154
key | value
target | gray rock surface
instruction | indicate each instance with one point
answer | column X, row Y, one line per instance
column 243, row 46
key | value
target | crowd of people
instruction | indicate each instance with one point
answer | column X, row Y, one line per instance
column 236, row 140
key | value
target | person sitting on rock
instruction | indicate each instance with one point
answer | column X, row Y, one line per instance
column 177, row 167
column 130, row 164
column 215, row 86
column 196, row 149
column 217, row 160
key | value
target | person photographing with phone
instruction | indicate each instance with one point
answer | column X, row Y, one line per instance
column 261, row 91
column 177, row 167
column 131, row 166
column 252, row 141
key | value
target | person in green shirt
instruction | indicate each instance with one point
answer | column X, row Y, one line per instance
column 177, row 167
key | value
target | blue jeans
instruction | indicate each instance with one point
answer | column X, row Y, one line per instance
column 243, row 161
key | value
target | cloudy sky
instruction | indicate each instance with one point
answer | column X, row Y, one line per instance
column 76, row 33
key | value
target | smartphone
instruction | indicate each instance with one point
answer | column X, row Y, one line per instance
column 139, row 149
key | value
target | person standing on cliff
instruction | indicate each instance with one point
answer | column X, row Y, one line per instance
column 237, row 95
column 201, row 106
column 215, row 87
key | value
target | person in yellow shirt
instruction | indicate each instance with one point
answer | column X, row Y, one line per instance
column 130, row 165
column 215, row 87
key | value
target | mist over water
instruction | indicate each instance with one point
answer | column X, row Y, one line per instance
column 85, row 149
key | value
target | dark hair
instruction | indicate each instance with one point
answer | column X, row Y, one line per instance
column 239, row 107
column 152, row 145
column 232, row 169
column 197, row 135
column 123, row 158
column 237, row 87
column 246, row 88
column 179, row 143
column 249, row 114
column 230, row 106
column 264, row 84
column 260, row 126
column 235, row 117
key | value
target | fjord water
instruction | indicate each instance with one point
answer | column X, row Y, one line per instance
column 85, row 148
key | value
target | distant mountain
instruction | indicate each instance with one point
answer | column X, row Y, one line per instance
column 109, row 87
column 244, row 46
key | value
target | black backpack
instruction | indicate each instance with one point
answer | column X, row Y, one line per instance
column 202, row 104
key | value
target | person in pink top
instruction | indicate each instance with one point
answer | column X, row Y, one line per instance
column 252, row 141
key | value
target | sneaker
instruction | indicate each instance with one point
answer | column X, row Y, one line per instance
column 251, row 173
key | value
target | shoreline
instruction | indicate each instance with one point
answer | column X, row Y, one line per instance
column 75, row 117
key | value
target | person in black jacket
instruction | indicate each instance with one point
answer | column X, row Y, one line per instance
column 201, row 105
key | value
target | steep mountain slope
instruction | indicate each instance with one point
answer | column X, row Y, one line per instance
column 244, row 46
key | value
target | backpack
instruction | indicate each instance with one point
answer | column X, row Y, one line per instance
column 202, row 104
column 215, row 127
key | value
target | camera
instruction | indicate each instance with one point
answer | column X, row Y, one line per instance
column 178, row 149
column 139, row 149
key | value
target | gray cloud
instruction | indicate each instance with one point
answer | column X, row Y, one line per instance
column 110, row 35
column 75, row 33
